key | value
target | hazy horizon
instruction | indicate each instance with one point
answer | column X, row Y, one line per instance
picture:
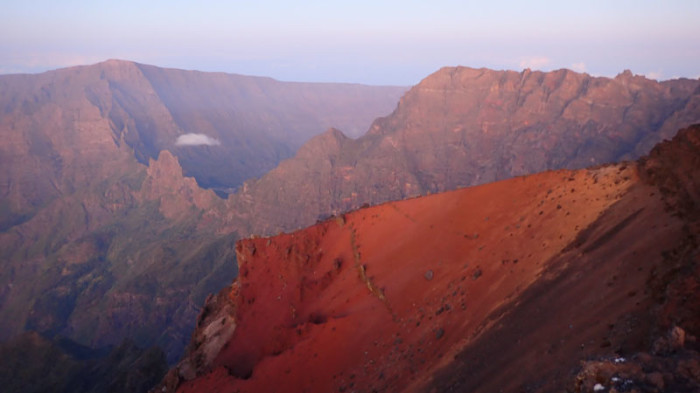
column 388, row 43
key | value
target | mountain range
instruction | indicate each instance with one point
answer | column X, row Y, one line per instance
column 461, row 127
column 124, row 187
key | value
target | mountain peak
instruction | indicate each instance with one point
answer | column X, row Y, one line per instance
column 626, row 75
column 328, row 142
column 334, row 133
column 112, row 64
column 117, row 62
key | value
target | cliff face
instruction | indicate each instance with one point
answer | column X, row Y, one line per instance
column 506, row 286
column 462, row 127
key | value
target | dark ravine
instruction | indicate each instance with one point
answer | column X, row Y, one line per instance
column 132, row 256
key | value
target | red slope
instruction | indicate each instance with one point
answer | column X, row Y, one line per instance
column 505, row 286
column 377, row 298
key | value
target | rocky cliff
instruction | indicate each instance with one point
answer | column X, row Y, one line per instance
column 463, row 126
column 506, row 286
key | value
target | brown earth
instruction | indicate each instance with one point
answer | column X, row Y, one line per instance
column 502, row 287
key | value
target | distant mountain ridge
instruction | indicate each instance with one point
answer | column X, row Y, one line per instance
column 463, row 126
column 257, row 121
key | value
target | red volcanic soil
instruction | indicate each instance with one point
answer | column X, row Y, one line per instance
column 506, row 286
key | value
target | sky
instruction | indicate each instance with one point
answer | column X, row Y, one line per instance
column 373, row 42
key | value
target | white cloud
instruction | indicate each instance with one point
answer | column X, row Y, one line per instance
column 534, row 62
column 193, row 139
column 657, row 75
column 579, row 67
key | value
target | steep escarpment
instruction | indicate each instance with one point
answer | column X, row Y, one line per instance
column 462, row 127
column 506, row 286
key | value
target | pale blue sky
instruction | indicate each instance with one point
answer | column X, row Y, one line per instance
column 375, row 42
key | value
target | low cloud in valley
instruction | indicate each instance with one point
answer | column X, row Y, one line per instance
column 193, row 139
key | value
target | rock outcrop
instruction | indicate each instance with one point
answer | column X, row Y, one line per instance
column 506, row 286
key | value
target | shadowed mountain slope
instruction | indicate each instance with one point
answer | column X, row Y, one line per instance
column 463, row 126
column 506, row 286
